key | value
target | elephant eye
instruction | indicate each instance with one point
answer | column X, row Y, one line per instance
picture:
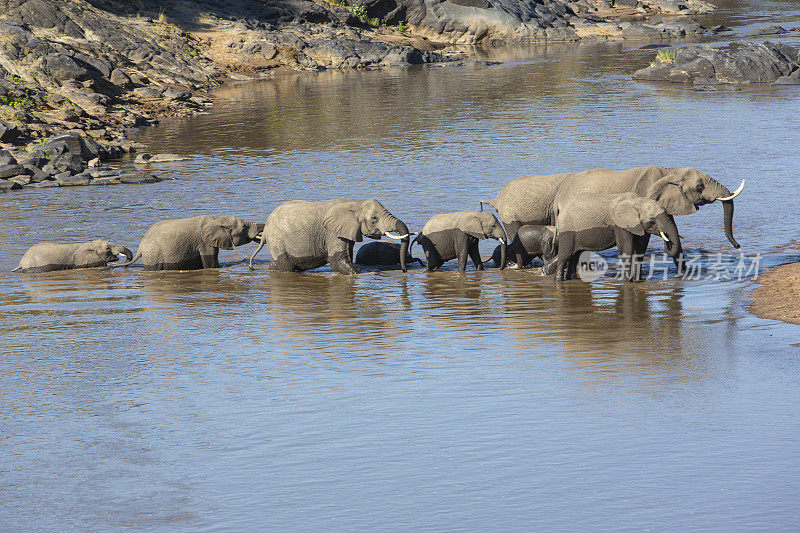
column 700, row 187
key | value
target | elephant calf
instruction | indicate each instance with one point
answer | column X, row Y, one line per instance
column 600, row 221
column 192, row 243
column 456, row 235
column 48, row 256
column 383, row 254
column 532, row 241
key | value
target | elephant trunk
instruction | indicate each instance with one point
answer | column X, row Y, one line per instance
column 255, row 230
column 727, row 210
column 124, row 251
column 715, row 190
column 402, row 229
column 666, row 227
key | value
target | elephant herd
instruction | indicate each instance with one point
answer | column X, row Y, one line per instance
column 553, row 217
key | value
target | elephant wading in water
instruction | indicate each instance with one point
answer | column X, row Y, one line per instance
column 535, row 241
column 383, row 254
column 535, row 199
column 192, row 243
column 303, row 235
column 456, row 235
column 48, row 256
column 599, row 222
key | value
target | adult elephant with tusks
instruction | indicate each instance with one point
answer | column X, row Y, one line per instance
column 193, row 243
column 681, row 191
column 304, row 235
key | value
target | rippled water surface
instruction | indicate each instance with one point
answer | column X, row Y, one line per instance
column 239, row 400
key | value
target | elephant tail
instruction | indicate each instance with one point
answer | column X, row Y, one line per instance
column 128, row 263
column 487, row 202
column 260, row 246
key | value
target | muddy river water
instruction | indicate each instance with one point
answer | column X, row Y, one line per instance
column 233, row 399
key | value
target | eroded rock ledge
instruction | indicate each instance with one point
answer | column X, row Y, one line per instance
column 741, row 63
column 97, row 68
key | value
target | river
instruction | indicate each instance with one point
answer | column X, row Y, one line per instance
column 234, row 399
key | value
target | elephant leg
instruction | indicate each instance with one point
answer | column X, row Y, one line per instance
column 209, row 257
column 462, row 250
column 566, row 246
column 281, row 263
column 549, row 267
column 515, row 249
column 474, row 253
column 572, row 265
column 340, row 256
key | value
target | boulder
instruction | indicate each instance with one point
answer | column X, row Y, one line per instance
column 120, row 79
column 108, row 180
column 135, row 177
column 72, row 163
column 8, row 171
column 142, row 159
column 173, row 95
column 8, row 185
column 149, row 92
column 742, row 62
column 7, row 159
column 767, row 30
column 73, row 181
column 8, row 132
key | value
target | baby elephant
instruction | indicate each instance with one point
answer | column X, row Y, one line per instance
column 534, row 241
column 48, row 256
column 456, row 235
column 383, row 254
column 600, row 221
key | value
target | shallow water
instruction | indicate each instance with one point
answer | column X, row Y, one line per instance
column 234, row 400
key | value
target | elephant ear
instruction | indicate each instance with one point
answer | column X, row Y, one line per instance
column 343, row 222
column 217, row 235
column 668, row 191
column 625, row 215
column 471, row 224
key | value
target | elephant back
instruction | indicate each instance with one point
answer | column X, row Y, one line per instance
column 528, row 199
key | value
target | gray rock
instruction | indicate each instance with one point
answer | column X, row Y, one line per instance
column 73, row 181
column 7, row 185
column 7, row 171
column 787, row 80
column 72, row 163
column 120, row 79
column 743, row 62
column 167, row 158
column 35, row 173
column 767, row 30
column 149, row 92
column 108, row 180
column 135, row 177
column 7, row 159
column 63, row 67
column 142, row 159
column 104, row 173
column 44, row 184
column 8, row 132
column 173, row 95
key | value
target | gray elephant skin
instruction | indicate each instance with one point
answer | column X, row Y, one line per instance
column 681, row 191
column 48, row 256
column 456, row 236
column 192, row 243
column 303, row 235
column 598, row 222
column 536, row 241
column 383, row 254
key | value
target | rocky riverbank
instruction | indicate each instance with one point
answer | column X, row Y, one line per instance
column 96, row 69
column 777, row 298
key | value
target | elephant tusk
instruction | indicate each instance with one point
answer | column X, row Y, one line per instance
column 736, row 193
column 666, row 239
column 398, row 237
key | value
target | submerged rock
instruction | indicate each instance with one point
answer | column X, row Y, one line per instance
column 742, row 62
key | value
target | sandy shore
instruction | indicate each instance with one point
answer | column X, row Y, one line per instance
column 778, row 297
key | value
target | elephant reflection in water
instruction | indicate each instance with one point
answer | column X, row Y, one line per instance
column 622, row 326
column 317, row 311
column 457, row 298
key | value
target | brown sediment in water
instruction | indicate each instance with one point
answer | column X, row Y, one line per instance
column 778, row 298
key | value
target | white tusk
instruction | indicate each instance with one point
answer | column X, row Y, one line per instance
column 736, row 193
column 666, row 239
column 398, row 237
